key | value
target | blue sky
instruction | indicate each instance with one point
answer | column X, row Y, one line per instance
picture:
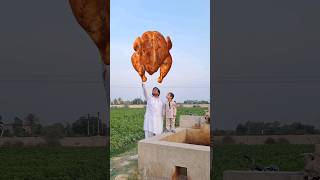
column 188, row 25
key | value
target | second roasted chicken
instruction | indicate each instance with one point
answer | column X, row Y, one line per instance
column 152, row 53
column 93, row 16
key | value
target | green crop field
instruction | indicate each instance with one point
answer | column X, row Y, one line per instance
column 63, row 163
column 231, row 157
column 127, row 126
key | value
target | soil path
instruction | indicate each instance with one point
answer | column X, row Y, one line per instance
column 125, row 166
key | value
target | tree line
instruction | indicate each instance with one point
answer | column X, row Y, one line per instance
column 137, row 101
column 120, row 101
column 269, row 128
column 30, row 126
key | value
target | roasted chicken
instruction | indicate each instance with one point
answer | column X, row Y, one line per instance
column 93, row 16
column 152, row 53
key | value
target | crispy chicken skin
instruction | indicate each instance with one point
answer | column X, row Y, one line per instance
column 152, row 53
column 90, row 15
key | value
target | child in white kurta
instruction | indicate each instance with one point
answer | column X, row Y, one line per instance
column 153, row 118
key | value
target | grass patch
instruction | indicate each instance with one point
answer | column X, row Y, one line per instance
column 54, row 163
column 231, row 157
column 126, row 126
column 127, row 148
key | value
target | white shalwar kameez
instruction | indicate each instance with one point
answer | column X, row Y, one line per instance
column 153, row 118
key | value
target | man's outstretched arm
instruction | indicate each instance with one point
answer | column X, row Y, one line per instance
column 144, row 90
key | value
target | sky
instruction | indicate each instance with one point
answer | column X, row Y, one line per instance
column 48, row 64
column 266, row 62
column 187, row 24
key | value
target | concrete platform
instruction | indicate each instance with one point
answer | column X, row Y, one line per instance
column 187, row 121
column 168, row 156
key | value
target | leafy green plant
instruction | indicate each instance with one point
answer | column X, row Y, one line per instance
column 232, row 157
column 38, row 163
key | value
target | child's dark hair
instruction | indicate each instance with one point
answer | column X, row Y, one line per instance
column 157, row 90
column 171, row 95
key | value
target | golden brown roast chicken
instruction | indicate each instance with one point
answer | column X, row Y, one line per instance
column 152, row 53
column 93, row 17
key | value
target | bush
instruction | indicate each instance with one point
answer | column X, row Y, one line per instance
column 282, row 141
column 52, row 141
column 228, row 140
column 270, row 141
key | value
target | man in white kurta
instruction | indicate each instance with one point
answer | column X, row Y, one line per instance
column 153, row 118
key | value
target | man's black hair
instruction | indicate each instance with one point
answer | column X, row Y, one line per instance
column 157, row 90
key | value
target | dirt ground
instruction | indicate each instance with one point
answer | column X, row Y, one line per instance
column 125, row 166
